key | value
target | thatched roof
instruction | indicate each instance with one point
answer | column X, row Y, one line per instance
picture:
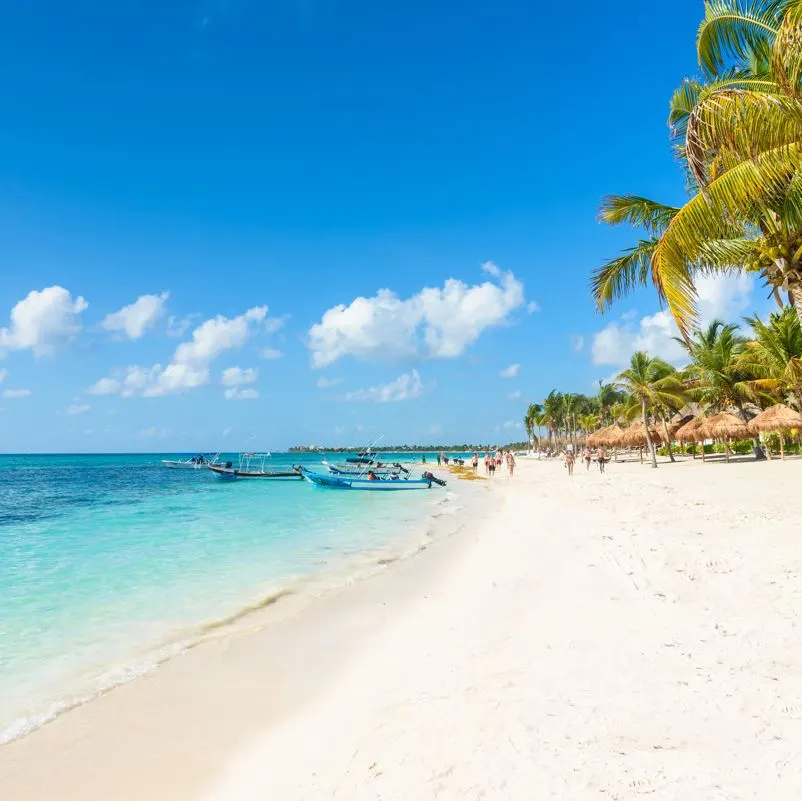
column 777, row 418
column 692, row 430
column 608, row 436
column 635, row 435
column 726, row 426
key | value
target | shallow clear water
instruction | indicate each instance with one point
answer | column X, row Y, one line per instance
column 109, row 563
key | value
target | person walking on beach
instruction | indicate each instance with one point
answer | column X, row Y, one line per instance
column 510, row 464
column 588, row 458
column 491, row 466
column 569, row 462
column 601, row 458
column 475, row 462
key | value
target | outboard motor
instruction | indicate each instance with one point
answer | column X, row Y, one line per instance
column 434, row 479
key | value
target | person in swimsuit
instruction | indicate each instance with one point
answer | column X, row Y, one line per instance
column 588, row 458
column 491, row 466
column 475, row 463
column 511, row 464
column 569, row 462
column 601, row 458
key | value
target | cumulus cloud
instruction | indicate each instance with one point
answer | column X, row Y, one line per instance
column 77, row 408
column 235, row 393
column 327, row 383
column 511, row 371
column 720, row 297
column 436, row 323
column 405, row 387
column 217, row 335
column 270, row 354
column 42, row 321
column 189, row 367
column 136, row 318
column 237, row 376
column 17, row 393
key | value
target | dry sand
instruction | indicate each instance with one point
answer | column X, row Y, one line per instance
column 606, row 637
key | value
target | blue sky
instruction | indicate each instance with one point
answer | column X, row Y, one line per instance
column 199, row 193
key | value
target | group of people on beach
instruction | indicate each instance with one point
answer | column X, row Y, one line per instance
column 598, row 455
column 494, row 461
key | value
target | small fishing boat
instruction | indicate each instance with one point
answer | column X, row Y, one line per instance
column 359, row 471
column 374, row 484
column 195, row 463
column 253, row 465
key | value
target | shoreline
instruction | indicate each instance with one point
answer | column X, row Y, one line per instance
column 604, row 636
column 292, row 592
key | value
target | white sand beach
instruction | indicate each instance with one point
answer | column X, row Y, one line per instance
column 608, row 637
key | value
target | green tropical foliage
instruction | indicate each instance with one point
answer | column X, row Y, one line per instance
column 738, row 137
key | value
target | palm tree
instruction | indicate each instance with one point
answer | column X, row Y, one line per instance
column 716, row 376
column 739, row 134
column 651, row 383
column 774, row 357
column 533, row 412
column 552, row 409
column 588, row 422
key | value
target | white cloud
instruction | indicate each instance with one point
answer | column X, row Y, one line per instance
column 217, row 335
column 3, row 375
column 270, row 354
column 532, row 307
column 436, row 323
column 133, row 320
column 405, row 387
column 227, row 431
column 154, row 431
column 237, row 376
column 511, row 371
column 273, row 324
column 577, row 342
column 106, row 386
column 724, row 297
column 327, row 383
column 434, row 429
column 17, row 393
column 178, row 326
column 514, row 395
column 77, row 408
column 721, row 297
column 190, row 365
column 42, row 321
column 235, row 393
column 511, row 425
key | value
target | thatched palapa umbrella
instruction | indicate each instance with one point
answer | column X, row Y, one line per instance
column 692, row 432
column 778, row 418
column 726, row 426
column 635, row 437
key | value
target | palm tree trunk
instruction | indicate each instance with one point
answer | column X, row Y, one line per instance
column 648, row 435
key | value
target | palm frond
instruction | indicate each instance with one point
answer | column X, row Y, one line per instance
column 741, row 193
column 639, row 212
column 732, row 125
column 621, row 276
column 733, row 30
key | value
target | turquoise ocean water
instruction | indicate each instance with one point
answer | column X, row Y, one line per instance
column 110, row 564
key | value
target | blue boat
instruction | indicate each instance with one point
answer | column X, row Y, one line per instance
column 376, row 484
